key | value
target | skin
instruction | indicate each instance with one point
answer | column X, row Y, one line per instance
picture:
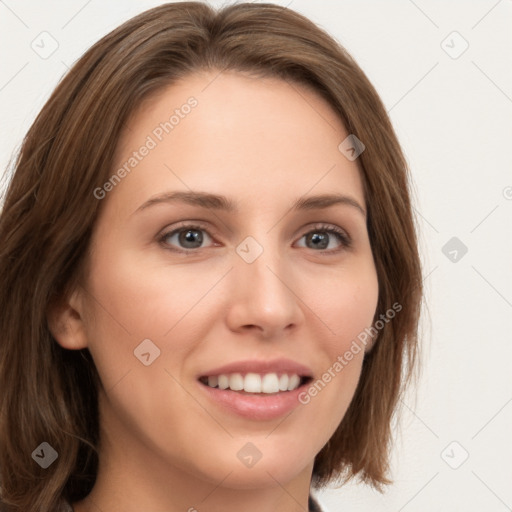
column 165, row 446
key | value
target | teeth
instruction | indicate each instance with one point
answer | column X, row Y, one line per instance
column 236, row 382
column 293, row 382
column 270, row 383
column 252, row 383
column 255, row 383
column 223, row 382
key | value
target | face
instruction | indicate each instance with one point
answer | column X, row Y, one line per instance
column 262, row 288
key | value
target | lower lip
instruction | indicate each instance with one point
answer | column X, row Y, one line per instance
column 259, row 406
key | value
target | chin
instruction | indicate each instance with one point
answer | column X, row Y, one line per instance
column 250, row 468
column 260, row 477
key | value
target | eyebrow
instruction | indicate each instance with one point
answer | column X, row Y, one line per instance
column 222, row 203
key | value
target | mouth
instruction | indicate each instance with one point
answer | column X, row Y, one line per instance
column 256, row 390
column 256, row 383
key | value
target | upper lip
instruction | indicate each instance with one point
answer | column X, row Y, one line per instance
column 254, row 366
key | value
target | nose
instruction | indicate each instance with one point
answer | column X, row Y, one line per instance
column 264, row 296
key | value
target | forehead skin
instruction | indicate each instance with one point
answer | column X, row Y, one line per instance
column 264, row 142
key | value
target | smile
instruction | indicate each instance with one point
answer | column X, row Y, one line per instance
column 256, row 390
column 267, row 383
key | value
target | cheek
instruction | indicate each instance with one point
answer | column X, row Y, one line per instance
column 344, row 308
column 134, row 298
column 146, row 298
column 347, row 305
column 348, row 308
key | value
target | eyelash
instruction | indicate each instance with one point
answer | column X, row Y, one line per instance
column 342, row 236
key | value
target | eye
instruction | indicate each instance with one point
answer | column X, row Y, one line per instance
column 321, row 236
column 186, row 237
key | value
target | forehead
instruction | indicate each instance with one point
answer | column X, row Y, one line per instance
column 233, row 134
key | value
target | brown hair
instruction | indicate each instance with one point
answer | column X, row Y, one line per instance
column 49, row 393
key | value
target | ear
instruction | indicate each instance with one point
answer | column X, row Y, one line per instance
column 66, row 321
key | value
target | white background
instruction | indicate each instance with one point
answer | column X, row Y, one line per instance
column 453, row 117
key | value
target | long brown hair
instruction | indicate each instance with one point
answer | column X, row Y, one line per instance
column 49, row 394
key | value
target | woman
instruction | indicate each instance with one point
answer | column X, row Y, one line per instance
column 211, row 283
